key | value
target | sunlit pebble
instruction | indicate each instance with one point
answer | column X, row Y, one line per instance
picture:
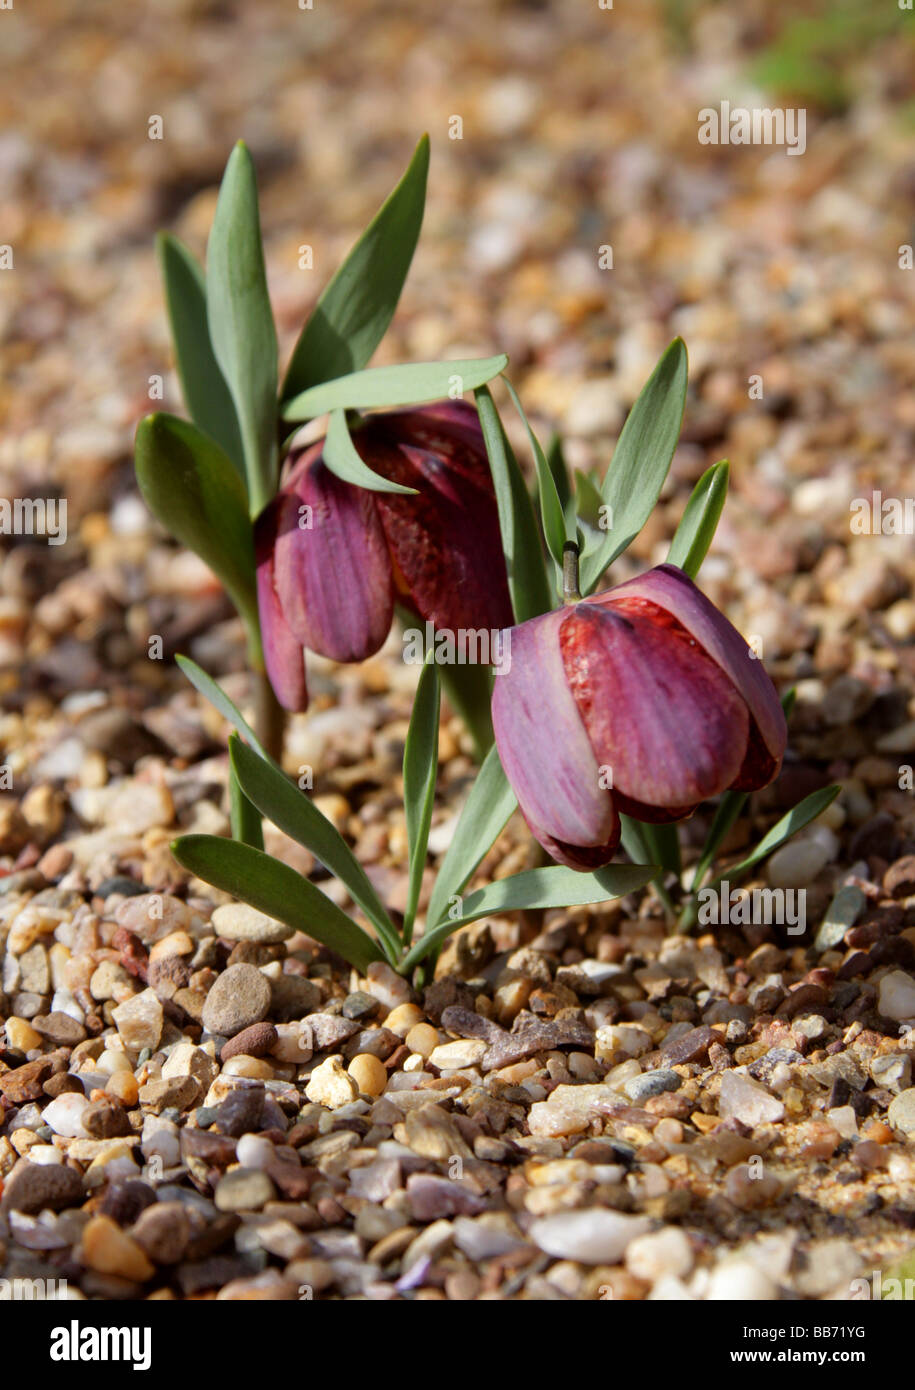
column 64, row 1115
column 255, row 1151
column 45, row 1153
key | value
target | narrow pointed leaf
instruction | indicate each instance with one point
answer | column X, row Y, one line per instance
column 246, row 822
column 220, row 701
column 190, row 485
column 241, row 322
column 410, row 383
column 420, row 770
column 641, row 459
column 697, row 528
column 800, row 815
column 536, row 888
column 206, row 394
column 353, row 313
column 551, row 515
column 527, row 577
column 274, row 888
column 297, row 816
column 340, row 456
column 559, row 469
column 484, row 816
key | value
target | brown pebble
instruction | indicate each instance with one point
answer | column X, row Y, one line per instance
column 255, row 1041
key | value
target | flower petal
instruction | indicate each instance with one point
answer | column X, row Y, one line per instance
column 445, row 541
column 283, row 654
column 658, row 711
column 545, row 752
column 333, row 571
column 671, row 589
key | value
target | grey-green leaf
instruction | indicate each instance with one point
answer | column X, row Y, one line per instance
column 246, row 822
column 206, row 394
column 550, row 887
column 528, row 584
column 800, row 815
column 485, row 813
column 354, row 311
column 641, row 459
column 551, row 514
column 411, row 383
column 220, row 701
column 190, row 485
column 241, row 322
column 274, row 888
column 341, row 457
column 696, row 531
column 270, row 790
column 420, row 770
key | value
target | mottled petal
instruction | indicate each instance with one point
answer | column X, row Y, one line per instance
column 445, row 541
column 657, row 710
column 545, row 751
column 333, row 571
column 671, row 589
column 283, row 655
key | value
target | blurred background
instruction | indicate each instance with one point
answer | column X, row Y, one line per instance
column 578, row 132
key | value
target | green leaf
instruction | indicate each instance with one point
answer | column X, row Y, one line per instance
column 528, row 584
column 642, row 848
column 353, row 313
column 271, row 791
column 697, row 527
column 340, row 456
column 206, row 394
column 190, row 485
column 551, row 514
column 726, row 813
column 274, row 888
column 246, row 823
column 590, row 510
column 410, row 383
column 241, row 323
column 550, row 887
column 800, row 815
column 420, row 770
column 484, row 816
column 641, row 459
column 664, row 847
column 220, row 701
column 557, row 465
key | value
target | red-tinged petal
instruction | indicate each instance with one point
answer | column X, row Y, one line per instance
column 658, row 711
column 283, row 655
column 545, row 751
column 445, row 541
column 333, row 571
column 671, row 589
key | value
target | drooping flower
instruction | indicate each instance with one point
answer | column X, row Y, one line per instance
column 333, row 558
column 643, row 699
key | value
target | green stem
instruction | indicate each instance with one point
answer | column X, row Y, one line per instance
column 269, row 716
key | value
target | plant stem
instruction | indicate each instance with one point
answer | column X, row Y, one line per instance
column 570, row 582
column 269, row 716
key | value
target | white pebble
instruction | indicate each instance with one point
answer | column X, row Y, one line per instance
column 64, row 1115
column 255, row 1151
